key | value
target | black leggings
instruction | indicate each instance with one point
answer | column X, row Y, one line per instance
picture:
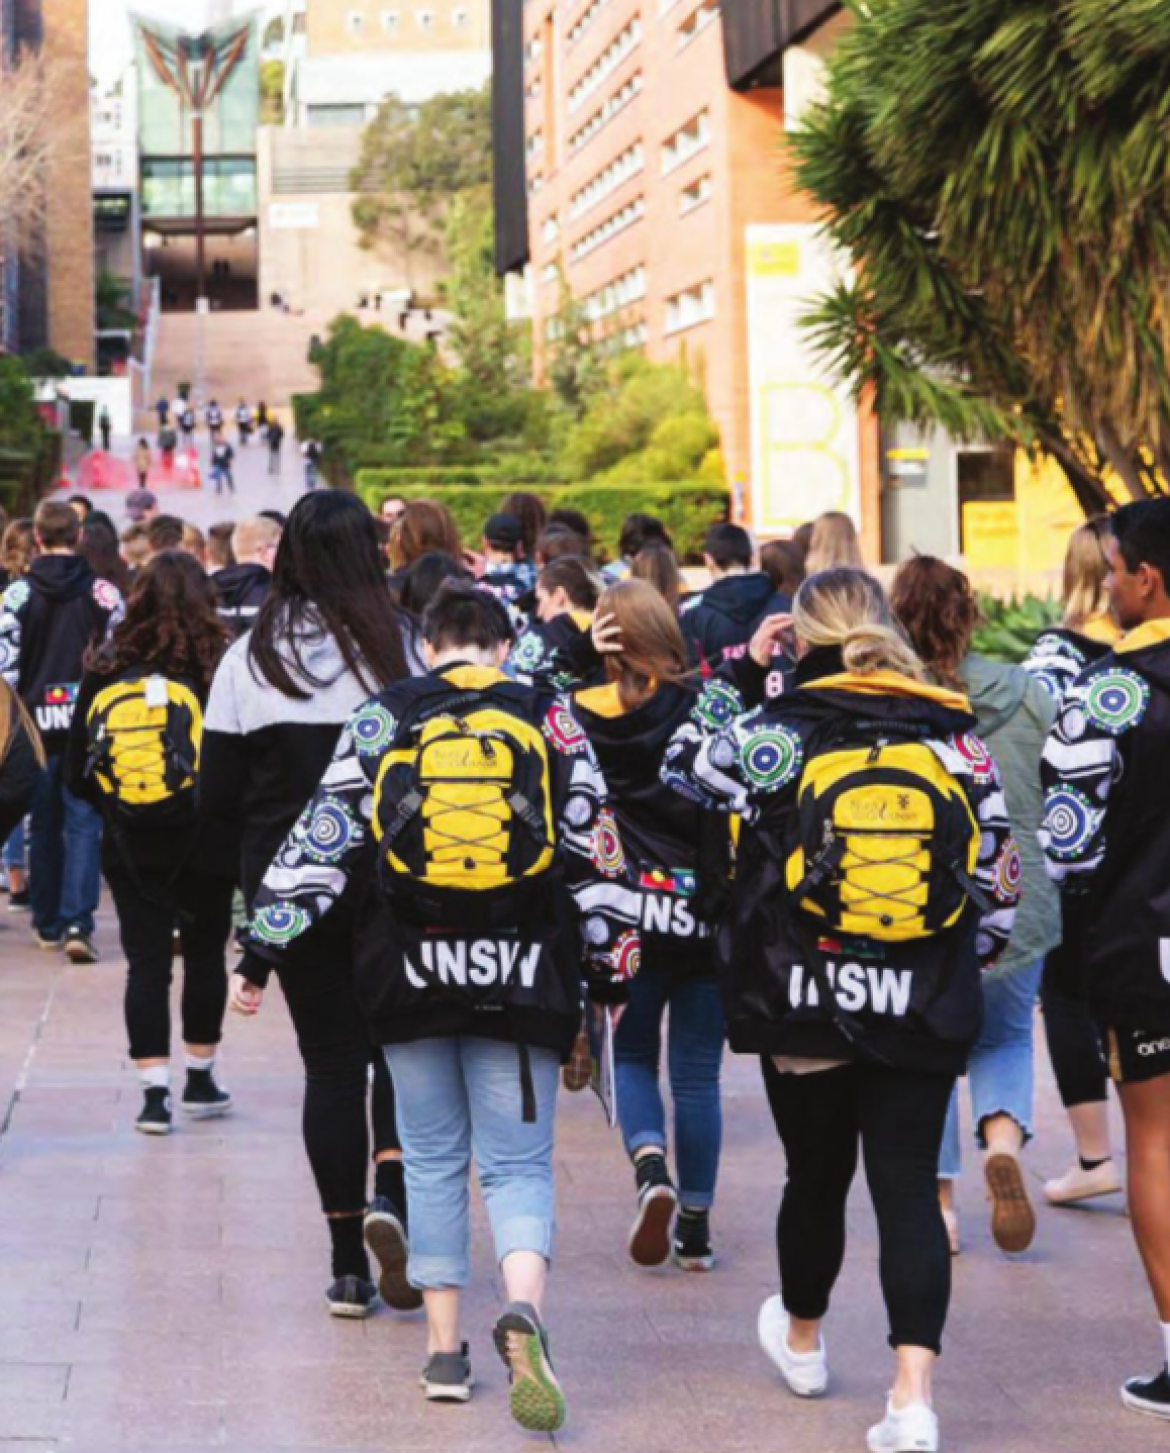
column 1074, row 1044
column 150, row 906
column 897, row 1116
column 337, row 1052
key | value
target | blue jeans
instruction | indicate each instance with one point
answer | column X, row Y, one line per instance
column 14, row 848
column 64, row 868
column 458, row 1098
column 1000, row 1072
column 695, row 1060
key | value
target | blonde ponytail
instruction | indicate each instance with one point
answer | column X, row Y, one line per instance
column 847, row 609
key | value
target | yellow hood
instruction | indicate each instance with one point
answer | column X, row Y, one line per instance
column 472, row 678
column 890, row 683
column 1149, row 633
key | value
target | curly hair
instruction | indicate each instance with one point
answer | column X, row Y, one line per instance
column 171, row 624
column 937, row 609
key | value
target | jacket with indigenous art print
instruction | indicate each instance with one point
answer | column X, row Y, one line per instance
column 1106, row 827
column 916, row 1004
column 585, row 934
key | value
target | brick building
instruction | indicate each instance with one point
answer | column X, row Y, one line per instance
column 640, row 160
column 48, row 287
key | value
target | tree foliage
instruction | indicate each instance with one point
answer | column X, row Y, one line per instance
column 415, row 162
column 29, row 89
column 999, row 175
column 271, row 92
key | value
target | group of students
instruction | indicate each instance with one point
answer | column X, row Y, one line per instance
column 480, row 802
column 177, row 423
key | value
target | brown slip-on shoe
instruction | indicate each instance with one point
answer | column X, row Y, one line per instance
column 1013, row 1222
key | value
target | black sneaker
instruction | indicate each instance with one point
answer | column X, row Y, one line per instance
column 203, row 1099
column 79, row 947
column 20, row 902
column 536, row 1400
column 1149, row 1395
column 447, row 1377
column 692, row 1241
column 352, row 1297
column 47, row 941
column 385, row 1233
column 657, row 1202
column 155, row 1118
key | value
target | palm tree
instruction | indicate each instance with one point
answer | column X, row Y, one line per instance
column 999, row 175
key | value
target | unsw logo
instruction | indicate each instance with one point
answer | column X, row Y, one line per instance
column 674, row 917
column 480, row 963
column 55, row 713
column 855, row 986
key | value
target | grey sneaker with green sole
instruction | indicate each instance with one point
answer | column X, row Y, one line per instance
column 536, row 1399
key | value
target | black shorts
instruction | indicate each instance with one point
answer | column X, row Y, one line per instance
column 1135, row 1055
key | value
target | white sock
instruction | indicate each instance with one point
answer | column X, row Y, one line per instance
column 197, row 1062
column 156, row 1077
column 1166, row 1339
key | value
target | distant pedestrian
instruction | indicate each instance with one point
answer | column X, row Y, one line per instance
column 168, row 442
column 163, row 410
column 142, row 459
column 262, row 417
column 214, row 420
column 222, row 455
column 243, row 423
column 187, row 425
column 275, row 443
column 105, row 428
column 311, row 451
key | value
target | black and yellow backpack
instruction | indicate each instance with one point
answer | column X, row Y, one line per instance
column 886, row 844
column 145, row 732
column 463, row 812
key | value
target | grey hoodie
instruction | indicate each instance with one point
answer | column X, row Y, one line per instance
column 1014, row 714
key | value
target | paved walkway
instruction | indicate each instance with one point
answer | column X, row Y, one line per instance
column 168, row 1294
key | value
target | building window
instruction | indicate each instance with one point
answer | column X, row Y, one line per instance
column 697, row 21
column 690, row 307
column 621, row 46
column 341, row 115
column 390, row 22
column 620, row 99
column 616, row 295
column 686, row 142
column 426, row 20
column 461, row 20
column 608, row 180
column 355, row 23
column 616, row 222
column 551, row 229
column 587, row 18
column 693, row 197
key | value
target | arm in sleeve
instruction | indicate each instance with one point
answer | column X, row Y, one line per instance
column 12, row 604
column 74, row 773
column 1079, row 768
column 311, row 870
column 223, row 772
column 999, row 870
column 593, row 859
column 1055, row 663
column 729, row 759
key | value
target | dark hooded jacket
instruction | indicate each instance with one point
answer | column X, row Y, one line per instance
column 1106, row 826
column 719, row 622
column 678, row 852
column 48, row 621
column 239, row 594
column 915, row 1005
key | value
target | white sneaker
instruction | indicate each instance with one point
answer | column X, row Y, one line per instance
column 1078, row 1185
column 912, row 1429
column 806, row 1373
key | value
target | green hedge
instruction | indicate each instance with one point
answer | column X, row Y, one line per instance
column 515, row 478
column 687, row 510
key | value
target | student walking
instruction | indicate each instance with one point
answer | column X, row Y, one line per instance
column 1086, row 634
column 311, row 454
column 1107, row 836
column 241, row 587
column 719, row 622
column 851, row 961
column 327, row 636
column 244, row 423
column 142, row 460
column 134, row 753
column 48, row 621
column 222, row 455
column 497, row 885
column 1013, row 715
column 567, row 592
column 275, row 439
column 105, row 427
column 679, row 857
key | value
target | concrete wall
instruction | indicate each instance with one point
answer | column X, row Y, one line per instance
column 329, row 29
column 309, row 249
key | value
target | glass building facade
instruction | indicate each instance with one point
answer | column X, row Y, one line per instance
column 174, row 68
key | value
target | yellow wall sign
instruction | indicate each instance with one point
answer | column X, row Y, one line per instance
column 805, row 441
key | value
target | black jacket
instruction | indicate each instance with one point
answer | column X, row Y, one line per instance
column 719, row 622
column 239, row 593
column 678, row 853
column 48, row 621
column 19, row 761
column 1107, row 825
column 529, row 973
column 549, row 654
column 917, row 1004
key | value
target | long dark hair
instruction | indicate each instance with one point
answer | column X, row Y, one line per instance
column 171, row 624
column 99, row 548
column 936, row 607
column 328, row 574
